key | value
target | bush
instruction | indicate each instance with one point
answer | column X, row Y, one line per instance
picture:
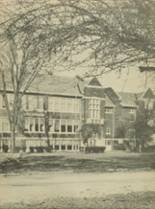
column 94, row 149
column 119, row 147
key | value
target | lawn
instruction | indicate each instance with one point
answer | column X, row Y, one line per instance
column 77, row 162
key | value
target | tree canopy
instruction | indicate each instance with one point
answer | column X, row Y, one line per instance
column 107, row 35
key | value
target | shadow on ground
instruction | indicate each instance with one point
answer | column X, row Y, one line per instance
column 78, row 163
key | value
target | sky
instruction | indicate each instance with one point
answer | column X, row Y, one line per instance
column 129, row 79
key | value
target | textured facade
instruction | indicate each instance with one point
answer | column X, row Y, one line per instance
column 55, row 109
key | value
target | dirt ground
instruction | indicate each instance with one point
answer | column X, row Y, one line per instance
column 35, row 189
column 74, row 181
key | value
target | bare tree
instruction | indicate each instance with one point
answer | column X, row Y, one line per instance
column 30, row 40
column 121, row 33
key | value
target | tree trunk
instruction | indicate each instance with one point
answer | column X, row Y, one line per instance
column 46, row 117
column 48, row 140
column 13, row 137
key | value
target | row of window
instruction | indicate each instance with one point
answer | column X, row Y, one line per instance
column 108, row 131
column 94, row 108
column 54, row 125
column 60, row 104
column 55, row 104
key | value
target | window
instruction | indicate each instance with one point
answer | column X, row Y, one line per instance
column 150, row 105
column 40, row 102
column 69, row 128
column 31, row 125
column 108, row 110
column 108, row 142
column 31, row 103
column 41, row 127
column 51, row 125
column 108, row 131
column 34, row 102
column 4, row 125
column 27, row 102
column 69, row 147
column 51, row 103
column 61, row 104
column 41, row 124
column 94, row 108
column 63, row 128
column 132, row 111
column 75, row 128
column 10, row 100
column 57, row 126
column 56, row 147
column 63, row 125
column 36, row 125
column 63, row 147
column 2, row 102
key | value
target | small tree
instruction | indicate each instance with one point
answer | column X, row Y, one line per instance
column 87, row 133
column 143, row 129
column 121, row 131
column 88, row 130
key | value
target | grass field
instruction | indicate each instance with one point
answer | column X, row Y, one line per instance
column 77, row 162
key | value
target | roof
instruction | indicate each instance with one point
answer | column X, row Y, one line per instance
column 52, row 84
column 108, row 102
column 94, row 82
column 147, row 68
column 114, row 97
column 60, row 85
column 128, row 99
column 147, row 94
column 94, row 91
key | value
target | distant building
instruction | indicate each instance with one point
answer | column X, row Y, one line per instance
column 65, row 104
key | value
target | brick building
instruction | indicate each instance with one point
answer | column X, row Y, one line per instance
column 55, row 109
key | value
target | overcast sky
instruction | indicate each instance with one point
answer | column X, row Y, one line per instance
column 129, row 80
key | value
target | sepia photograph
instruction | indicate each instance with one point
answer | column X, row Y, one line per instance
column 77, row 104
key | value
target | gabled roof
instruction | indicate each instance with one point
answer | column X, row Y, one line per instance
column 108, row 102
column 94, row 82
column 114, row 97
column 128, row 99
column 94, row 92
column 148, row 94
